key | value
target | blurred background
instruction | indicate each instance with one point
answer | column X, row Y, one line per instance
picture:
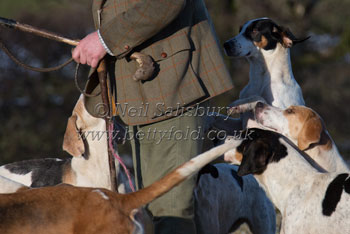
column 34, row 107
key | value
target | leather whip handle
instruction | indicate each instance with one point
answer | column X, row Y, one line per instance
column 102, row 77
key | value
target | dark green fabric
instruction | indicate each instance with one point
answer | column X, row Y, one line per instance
column 156, row 156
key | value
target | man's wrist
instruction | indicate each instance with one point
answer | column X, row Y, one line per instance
column 104, row 44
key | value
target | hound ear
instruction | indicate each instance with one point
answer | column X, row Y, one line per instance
column 255, row 160
column 286, row 37
column 263, row 157
column 72, row 141
column 310, row 133
column 244, row 168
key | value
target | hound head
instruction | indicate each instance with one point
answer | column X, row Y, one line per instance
column 259, row 35
column 272, row 118
column 260, row 148
column 299, row 123
column 78, row 124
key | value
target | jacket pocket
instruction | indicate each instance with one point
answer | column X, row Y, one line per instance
column 163, row 49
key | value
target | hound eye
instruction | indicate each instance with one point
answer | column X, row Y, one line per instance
column 256, row 35
column 290, row 111
column 240, row 28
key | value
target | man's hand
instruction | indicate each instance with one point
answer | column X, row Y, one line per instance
column 89, row 50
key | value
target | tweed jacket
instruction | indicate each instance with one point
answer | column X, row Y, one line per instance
column 179, row 37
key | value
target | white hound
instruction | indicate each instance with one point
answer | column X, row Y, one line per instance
column 311, row 201
column 266, row 47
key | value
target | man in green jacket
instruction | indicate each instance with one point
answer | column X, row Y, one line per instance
column 164, row 128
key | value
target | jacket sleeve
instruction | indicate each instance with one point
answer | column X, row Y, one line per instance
column 139, row 23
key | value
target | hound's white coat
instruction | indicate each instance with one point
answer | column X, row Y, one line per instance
column 9, row 186
column 25, row 179
column 297, row 189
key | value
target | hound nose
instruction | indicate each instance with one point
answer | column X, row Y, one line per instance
column 229, row 48
column 260, row 105
column 227, row 45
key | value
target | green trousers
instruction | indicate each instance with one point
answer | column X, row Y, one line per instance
column 158, row 149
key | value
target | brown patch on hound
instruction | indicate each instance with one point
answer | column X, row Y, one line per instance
column 286, row 41
column 325, row 142
column 238, row 156
column 68, row 175
column 307, row 126
column 24, row 188
column 77, row 210
column 262, row 43
column 79, row 121
column 72, row 141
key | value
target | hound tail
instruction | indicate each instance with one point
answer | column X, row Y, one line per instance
column 160, row 187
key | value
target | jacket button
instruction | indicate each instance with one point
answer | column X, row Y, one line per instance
column 126, row 47
column 164, row 55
